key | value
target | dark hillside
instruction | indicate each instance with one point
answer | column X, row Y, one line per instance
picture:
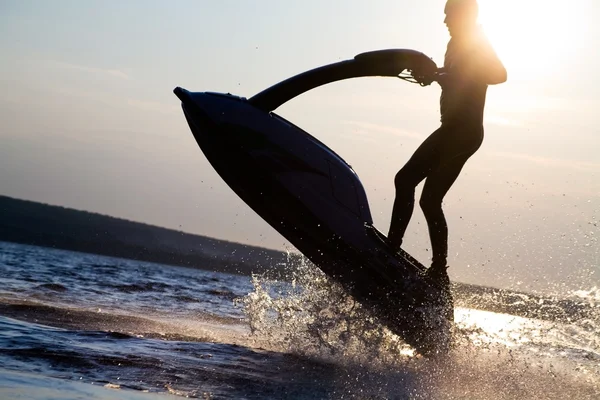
column 45, row 225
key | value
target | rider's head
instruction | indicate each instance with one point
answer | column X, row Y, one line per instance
column 461, row 16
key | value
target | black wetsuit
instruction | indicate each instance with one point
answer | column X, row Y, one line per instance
column 440, row 158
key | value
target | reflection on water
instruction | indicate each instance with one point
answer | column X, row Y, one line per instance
column 20, row 385
column 490, row 327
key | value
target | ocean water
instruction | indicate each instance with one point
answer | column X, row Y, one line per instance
column 82, row 326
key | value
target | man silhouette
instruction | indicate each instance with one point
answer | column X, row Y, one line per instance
column 470, row 65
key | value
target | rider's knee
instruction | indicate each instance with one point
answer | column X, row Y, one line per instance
column 403, row 180
column 430, row 205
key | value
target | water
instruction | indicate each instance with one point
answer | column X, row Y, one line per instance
column 76, row 325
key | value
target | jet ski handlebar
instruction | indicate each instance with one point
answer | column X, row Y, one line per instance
column 409, row 65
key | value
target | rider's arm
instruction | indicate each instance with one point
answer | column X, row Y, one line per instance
column 481, row 64
column 485, row 65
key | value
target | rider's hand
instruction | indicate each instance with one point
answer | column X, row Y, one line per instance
column 425, row 80
column 424, row 72
column 442, row 77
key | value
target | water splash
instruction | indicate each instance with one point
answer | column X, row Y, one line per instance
column 311, row 314
column 494, row 355
column 592, row 295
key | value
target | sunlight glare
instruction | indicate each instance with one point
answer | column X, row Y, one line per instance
column 535, row 38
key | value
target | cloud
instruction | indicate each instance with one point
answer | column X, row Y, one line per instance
column 550, row 162
column 376, row 128
column 116, row 73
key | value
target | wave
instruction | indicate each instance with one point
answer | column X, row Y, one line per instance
column 148, row 326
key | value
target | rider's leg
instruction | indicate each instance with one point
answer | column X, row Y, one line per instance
column 436, row 186
column 438, row 182
column 423, row 161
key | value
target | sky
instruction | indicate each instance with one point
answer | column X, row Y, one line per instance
column 89, row 120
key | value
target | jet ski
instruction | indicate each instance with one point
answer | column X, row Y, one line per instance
column 314, row 199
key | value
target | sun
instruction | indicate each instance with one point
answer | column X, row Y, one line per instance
column 533, row 38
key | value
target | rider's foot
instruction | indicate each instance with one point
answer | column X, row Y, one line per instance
column 439, row 273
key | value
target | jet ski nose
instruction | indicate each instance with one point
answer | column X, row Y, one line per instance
column 193, row 104
column 182, row 94
column 196, row 108
column 204, row 111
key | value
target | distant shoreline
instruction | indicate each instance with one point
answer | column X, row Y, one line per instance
column 44, row 225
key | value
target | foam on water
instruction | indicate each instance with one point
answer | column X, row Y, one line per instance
column 494, row 355
column 592, row 295
column 314, row 315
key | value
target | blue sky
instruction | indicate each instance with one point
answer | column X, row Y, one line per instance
column 90, row 121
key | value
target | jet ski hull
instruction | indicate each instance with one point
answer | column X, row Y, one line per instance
column 314, row 199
